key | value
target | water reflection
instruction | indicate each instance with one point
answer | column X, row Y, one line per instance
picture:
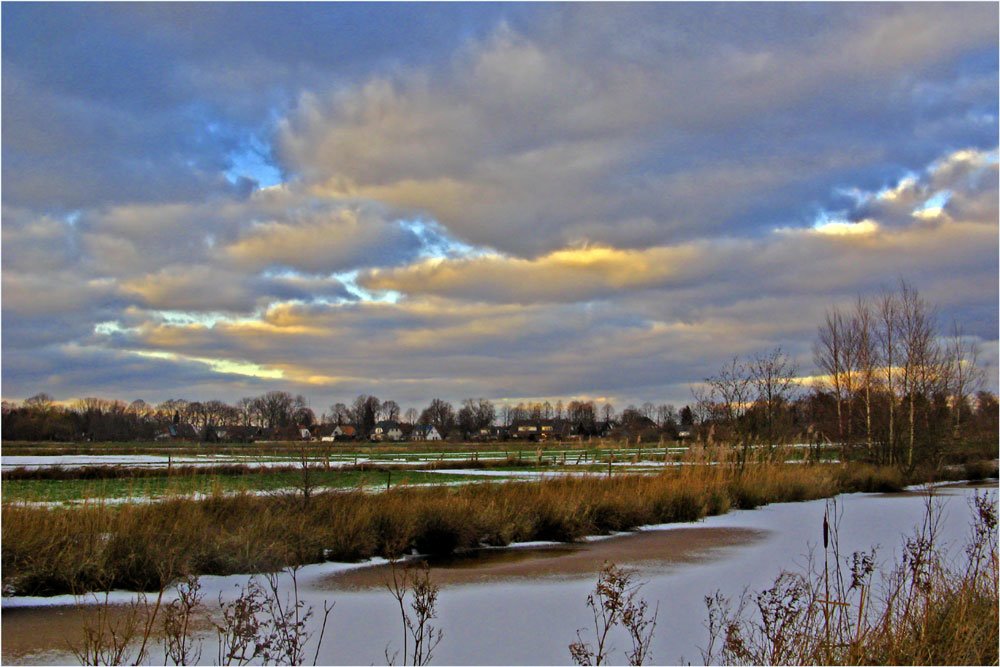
column 648, row 551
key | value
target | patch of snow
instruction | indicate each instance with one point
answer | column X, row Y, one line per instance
column 211, row 586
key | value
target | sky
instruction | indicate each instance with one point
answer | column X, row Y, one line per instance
column 509, row 201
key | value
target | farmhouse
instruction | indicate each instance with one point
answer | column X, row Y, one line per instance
column 179, row 431
column 424, row 432
column 541, row 429
column 339, row 432
column 387, row 430
column 291, row 432
column 231, row 433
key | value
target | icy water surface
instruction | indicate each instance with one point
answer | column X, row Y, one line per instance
column 524, row 605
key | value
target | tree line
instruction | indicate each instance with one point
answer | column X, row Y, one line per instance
column 42, row 418
column 893, row 387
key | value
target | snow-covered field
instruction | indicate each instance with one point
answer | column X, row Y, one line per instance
column 151, row 461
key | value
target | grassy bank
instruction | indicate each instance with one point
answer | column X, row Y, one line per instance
column 49, row 551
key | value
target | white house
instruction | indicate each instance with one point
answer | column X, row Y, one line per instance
column 425, row 433
column 387, row 431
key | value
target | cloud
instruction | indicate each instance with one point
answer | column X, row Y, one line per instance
column 327, row 241
column 529, row 144
column 514, row 200
column 193, row 288
column 833, row 256
column 150, row 103
column 565, row 275
column 837, row 228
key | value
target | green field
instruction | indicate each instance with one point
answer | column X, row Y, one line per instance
column 523, row 448
column 76, row 490
column 369, row 466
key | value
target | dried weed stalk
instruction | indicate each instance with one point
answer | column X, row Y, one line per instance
column 924, row 609
column 416, row 585
column 615, row 602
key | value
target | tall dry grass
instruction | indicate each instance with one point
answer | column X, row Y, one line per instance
column 927, row 608
column 142, row 547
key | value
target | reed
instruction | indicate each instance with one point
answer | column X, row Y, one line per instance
column 99, row 545
column 926, row 608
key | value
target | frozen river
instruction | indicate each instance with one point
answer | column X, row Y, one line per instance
column 524, row 605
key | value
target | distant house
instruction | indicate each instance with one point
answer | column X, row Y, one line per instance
column 292, row 432
column 542, row 429
column 525, row 429
column 323, row 432
column 180, row 431
column 602, row 429
column 424, row 432
column 483, row 434
column 634, row 424
column 490, row 433
column 232, row 433
column 243, row 433
column 345, row 432
column 334, row 432
column 387, row 430
column 216, row 433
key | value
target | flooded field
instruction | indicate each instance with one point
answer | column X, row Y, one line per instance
column 619, row 456
column 524, row 605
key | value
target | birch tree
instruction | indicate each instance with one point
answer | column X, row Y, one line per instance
column 887, row 338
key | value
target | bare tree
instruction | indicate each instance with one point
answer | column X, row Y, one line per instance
column 138, row 407
column 390, row 411
column 887, row 337
column 365, row 413
column 340, row 414
column 729, row 393
column 922, row 371
column 727, row 400
column 276, row 408
column 773, row 377
column 864, row 337
column 39, row 400
column 964, row 375
column 439, row 414
column 247, row 411
column 476, row 414
column 666, row 413
column 833, row 356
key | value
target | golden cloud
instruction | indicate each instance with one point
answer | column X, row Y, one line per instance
column 564, row 275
